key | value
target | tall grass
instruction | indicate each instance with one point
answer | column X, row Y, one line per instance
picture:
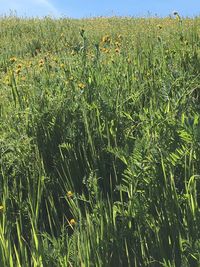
column 99, row 142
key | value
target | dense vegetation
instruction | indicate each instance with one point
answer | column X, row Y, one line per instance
column 100, row 142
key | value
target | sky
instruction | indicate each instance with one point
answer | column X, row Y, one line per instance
column 93, row 8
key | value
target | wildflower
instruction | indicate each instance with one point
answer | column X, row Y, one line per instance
column 13, row 59
column 175, row 13
column 117, row 50
column 1, row 208
column 55, row 59
column 117, row 44
column 18, row 70
column 82, row 31
column 7, row 80
column 159, row 26
column 72, row 222
column 69, row 194
column 105, row 50
column 81, row 85
column 29, row 64
column 106, row 39
column 62, row 65
column 19, row 66
column 41, row 63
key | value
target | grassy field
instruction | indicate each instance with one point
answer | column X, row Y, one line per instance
column 100, row 142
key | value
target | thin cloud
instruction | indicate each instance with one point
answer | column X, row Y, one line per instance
column 32, row 8
column 48, row 5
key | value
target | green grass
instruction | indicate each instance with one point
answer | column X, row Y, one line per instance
column 100, row 142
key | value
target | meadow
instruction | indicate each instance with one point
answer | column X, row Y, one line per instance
column 100, row 142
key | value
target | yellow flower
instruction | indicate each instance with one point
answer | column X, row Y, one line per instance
column 29, row 64
column 177, row 15
column 18, row 71
column 81, row 85
column 117, row 44
column 1, row 208
column 117, row 50
column 13, row 59
column 69, row 194
column 62, row 65
column 72, row 222
column 41, row 63
column 7, row 80
column 105, row 50
column 106, row 39
column 19, row 66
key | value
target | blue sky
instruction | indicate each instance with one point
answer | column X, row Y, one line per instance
column 91, row 8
